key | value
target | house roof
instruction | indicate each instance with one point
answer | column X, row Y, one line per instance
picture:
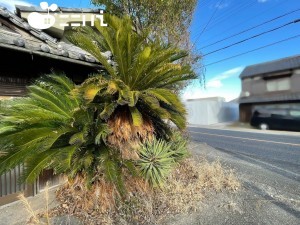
column 59, row 9
column 35, row 41
column 283, row 64
column 271, row 98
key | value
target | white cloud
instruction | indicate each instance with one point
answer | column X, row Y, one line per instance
column 10, row 4
column 220, row 5
column 262, row 1
column 216, row 82
column 215, row 87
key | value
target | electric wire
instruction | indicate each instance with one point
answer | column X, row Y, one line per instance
column 238, row 7
column 248, row 19
column 210, row 19
column 251, row 28
column 253, row 50
column 252, row 37
column 233, row 11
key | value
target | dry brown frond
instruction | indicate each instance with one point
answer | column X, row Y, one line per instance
column 125, row 136
column 100, row 197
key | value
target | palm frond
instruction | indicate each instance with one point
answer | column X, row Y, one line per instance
column 137, row 117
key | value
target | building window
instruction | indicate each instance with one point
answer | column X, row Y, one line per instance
column 281, row 84
column 295, row 113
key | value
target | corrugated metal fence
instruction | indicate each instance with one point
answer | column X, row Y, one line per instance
column 10, row 187
column 9, row 182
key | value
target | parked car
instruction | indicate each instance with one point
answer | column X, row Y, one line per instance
column 276, row 119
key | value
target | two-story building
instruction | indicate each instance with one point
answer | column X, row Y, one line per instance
column 274, row 84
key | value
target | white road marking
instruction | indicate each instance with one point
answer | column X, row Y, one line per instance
column 249, row 139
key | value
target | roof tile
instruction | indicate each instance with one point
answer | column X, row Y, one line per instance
column 41, row 41
column 288, row 63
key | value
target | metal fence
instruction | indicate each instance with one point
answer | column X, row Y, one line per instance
column 9, row 183
column 11, row 187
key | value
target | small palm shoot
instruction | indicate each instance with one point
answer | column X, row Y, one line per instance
column 156, row 161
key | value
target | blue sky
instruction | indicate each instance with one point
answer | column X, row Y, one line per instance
column 231, row 17
column 228, row 17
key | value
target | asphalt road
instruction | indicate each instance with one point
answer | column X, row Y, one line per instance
column 280, row 152
column 268, row 167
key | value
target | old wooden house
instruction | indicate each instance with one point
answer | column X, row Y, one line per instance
column 27, row 53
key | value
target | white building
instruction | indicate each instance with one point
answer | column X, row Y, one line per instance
column 207, row 111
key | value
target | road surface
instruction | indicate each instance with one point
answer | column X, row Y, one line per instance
column 282, row 153
column 268, row 166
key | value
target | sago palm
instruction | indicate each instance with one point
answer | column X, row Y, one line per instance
column 95, row 129
column 53, row 128
column 134, row 92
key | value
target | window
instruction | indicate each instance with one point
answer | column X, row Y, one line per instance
column 295, row 113
column 281, row 84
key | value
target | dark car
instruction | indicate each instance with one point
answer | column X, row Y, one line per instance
column 277, row 119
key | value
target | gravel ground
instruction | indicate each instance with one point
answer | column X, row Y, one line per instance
column 263, row 199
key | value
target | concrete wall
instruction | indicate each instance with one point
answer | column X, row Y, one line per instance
column 211, row 111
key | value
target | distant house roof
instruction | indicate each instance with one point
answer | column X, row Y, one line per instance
column 59, row 9
column 280, row 97
column 288, row 63
column 34, row 41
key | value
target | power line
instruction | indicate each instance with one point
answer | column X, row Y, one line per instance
column 252, row 37
column 244, row 53
column 215, row 11
column 205, row 3
column 236, row 8
column 248, row 19
column 251, row 28
column 233, row 11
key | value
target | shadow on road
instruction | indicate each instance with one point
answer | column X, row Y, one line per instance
column 269, row 198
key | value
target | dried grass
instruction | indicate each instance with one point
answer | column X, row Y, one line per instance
column 184, row 189
column 187, row 185
column 35, row 217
